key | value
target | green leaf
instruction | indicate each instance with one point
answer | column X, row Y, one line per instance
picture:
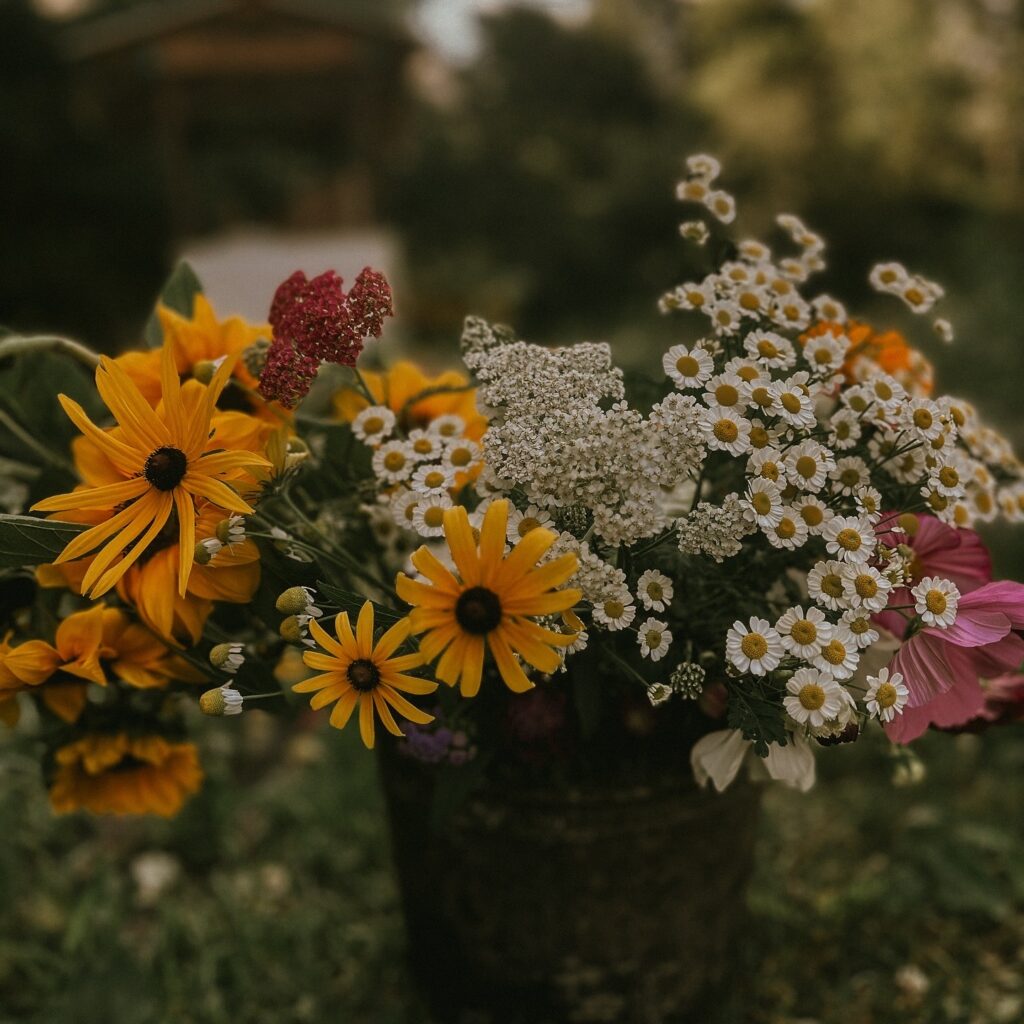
column 28, row 541
column 178, row 293
column 349, row 601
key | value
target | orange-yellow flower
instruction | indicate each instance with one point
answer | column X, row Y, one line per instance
column 122, row 774
column 355, row 670
column 398, row 387
column 197, row 342
column 491, row 603
column 87, row 646
column 165, row 458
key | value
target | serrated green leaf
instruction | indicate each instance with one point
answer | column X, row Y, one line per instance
column 28, row 541
column 178, row 293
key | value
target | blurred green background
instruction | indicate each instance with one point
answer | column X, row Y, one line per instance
column 519, row 163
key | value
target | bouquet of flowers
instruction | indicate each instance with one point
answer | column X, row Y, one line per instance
column 763, row 548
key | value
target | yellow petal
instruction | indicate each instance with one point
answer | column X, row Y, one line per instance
column 404, row 708
column 126, row 457
column 416, row 593
column 366, row 720
column 216, row 491
column 543, row 604
column 94, row 497
column 510, row 669
column 186, row 537
column 435, row 570
column 524, row 556
column 492, row 539
column 449, row 668
column 385, row 715
column 130, row 409
column 537, row 654
column 111, row 576
column 551, row 574
column 364, row 630
column 326, row 641
column 392, row 640
column 343, row 709
column 472, row 667
column 32, row 662
column 459, row 535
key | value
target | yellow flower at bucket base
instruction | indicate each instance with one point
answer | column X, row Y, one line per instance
column 166, row 460
column 358, row 672
column 492, row 602
column 122, row 774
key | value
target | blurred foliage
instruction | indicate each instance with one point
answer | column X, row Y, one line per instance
column 84, row 238
column 271, row 896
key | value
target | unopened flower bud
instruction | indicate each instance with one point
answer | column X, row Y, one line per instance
column 204, row 370
column 231, row 531
column 295, row 601
column 227, row 657
column 221, row 700
column 206, row 549
column 297, row 452
column 291, row 629
column 658, row 693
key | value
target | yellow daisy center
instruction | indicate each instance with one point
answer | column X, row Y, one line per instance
column 865, row 585
column 759, row 437
column 460, row 457
column 767, row 349
column 849, row 540
column 832, row 584
column 811, row 696
column 849, row 477
column 786, row 528
column 434, row 517
column 886, row 695
column 935, row 602
column 526, row 524
column 726, row 394
column 883, row 391
column 435, row 478
column 804, row 632
column 373, row 425
column 726, row 431
column 655, row 591
column 762, row 503
column 790, row 402
column 859, row 625
column 614, row 609
column 834, row 652
column 423, row 446
column 754, row 646
column 653, row 637
column 394, row 461
column 812, row 515
column 688, row 366
column 923, row 419
column 806, row 466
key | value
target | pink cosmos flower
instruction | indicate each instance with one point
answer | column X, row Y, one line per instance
column 939, row 550
column 943, row 667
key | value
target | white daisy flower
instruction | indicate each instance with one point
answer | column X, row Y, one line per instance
column 755, row 648
column 849, row 474
column 849, row 538
column 858, row 622
column 804, row 633
column 694, row 190
column 655, row 590
column 844, row 429
column 944, row 329
column 763, row 503
column 374, row 424
column 460, row 454
column 725, row 390
column 654, row 638
column 703, row 166
column 936, row 601
column 792, row 312
column 687, row 368
column 616, row 610
column 814, row 512
column 767, row 464
column 886, row 696
column 795, row 405
column 812, row 697
column 753, row 250
column 840, row 655
column 425, row 447
column 403, row 504
column 807, row 465
column 521, row 523
column 919, row 295
column 789, row 533
column 691, row 295
column 428, row 515
column 886, row 391
column 658, row 693
column 869, row 502
column 725, row 316
column 888, row 277
column 770, row 349
column 726, row 430
column 432, row 478
column 866, row 588
column 827, row 308
column 695, row 231
column 722, row 205
column 924, row 417
column 826, row 585
column 449, row 426
column 394, row 461
column 826, row 352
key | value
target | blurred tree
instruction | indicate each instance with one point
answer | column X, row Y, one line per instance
column 84, row 242
column 543, row 193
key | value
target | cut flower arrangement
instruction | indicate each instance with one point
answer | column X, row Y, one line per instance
column 764, row 549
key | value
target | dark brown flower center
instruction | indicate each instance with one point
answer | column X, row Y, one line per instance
column 363, row 675
column 478, row 610
column 165, row 468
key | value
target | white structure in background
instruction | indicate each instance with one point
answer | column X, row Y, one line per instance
column 241, row 269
